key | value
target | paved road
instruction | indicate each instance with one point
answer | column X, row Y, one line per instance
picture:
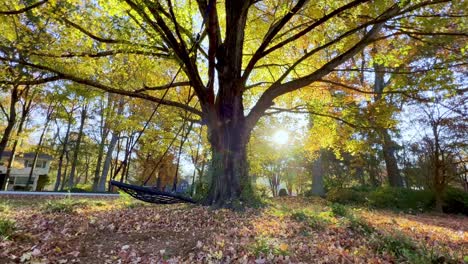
column 57, row 194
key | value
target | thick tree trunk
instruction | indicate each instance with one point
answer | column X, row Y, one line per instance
column 391, row 164
column 318, row 188
column 229, row 167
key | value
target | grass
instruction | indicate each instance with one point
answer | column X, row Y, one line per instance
column 264, row 246
column 7, row 228
column 67, row 205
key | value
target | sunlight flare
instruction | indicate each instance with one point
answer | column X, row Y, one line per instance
column 281, row 137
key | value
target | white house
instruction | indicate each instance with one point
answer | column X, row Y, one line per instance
column 21, row 169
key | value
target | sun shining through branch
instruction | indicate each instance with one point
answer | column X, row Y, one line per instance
column 280, row 137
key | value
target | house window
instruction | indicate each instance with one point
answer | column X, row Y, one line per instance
column 41, row 164
column 28, row 163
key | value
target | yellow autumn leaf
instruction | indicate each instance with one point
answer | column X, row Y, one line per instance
column 283, row 247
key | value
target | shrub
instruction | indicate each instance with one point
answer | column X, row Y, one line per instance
column 316, row 221
column 346, row 196
column 42, row 181
column 4, row 208
column 339, row 209
column 401, row 199
column 397, row 245
column 360, row 225
column 264, row 246
column 455, row 201
column 283, row 192
column 7, row 228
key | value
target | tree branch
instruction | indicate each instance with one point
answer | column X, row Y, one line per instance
column 24, row 9
column 162, row 87
column 278, row 89
column 106, row 88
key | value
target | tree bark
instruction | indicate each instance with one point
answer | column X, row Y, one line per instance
column 50, row 110
column 11, row 121
column 105, row 112
column 71, row 178
column 388, row 146
column 110, row 149
column 317, row 177
column 58, row 180
column 229, row 166
column 26, row 107
column 391, row 164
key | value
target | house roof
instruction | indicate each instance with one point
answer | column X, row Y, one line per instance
column 27, row 155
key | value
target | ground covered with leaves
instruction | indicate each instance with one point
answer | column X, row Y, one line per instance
column 290, row 230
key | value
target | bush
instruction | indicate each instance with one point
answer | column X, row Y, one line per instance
column 401, row 199
column 346, row 196
column 455, row 201
column 339, row 209
column 398, row 245
column 7, row 228
column 316, row 221
column 283, row 192
column 42, row 181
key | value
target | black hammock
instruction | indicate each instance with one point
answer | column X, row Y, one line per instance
column 151, row 195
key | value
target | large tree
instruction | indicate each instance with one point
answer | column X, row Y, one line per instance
column 236, row 56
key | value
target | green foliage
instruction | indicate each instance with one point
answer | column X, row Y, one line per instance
column 396, row 244
column 261, row 246
column 401, row 199
column 455, row 201
column 264, row 246
column 262, row 191
column 359, row 225
column 317, row 221
column 283, row 192
column 66, row 206
column 7, row 228
column 345, row 196
column 42, row 182
column 339, row 209
column 4, row 207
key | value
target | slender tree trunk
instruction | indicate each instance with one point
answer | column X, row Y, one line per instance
column 65, row 173
column 58, row 180
column 182, row 142
column 105, row 113
column 26, row 107
column 107, row 161
column 50, row 110
column 11, row 121
column 71, row 178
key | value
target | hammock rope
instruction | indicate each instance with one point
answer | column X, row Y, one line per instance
column 148, row 194
column 151, row 195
